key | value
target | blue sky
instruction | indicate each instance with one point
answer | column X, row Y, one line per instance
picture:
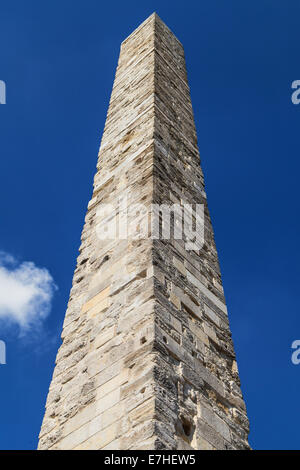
column 58, row 60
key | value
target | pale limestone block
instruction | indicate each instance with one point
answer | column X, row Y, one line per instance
column 92, row 203
column 211, row 333
column 114, row 445
column 179, row 265
column 212, row 315
column 175, row 300
column 95, row 300
column 203, row 444
column 176, row 324
column 212, row 419
column 207, row 292
column 108, row 373
column 106, row 402
column 100, row 439
column 186, row 300
column 200, row 346
column 142, row 412
column 209, row 434
column 198, row 332
column 104, row 337
column 81, row 418
column 81, row 434
column 156, row 272
column 112, row 384
column 210, row 378
column 113, row 414
column 100, row 307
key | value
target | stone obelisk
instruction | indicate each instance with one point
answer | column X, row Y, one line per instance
column 147, row 360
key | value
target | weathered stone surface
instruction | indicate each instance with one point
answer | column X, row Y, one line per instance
column 147, row 360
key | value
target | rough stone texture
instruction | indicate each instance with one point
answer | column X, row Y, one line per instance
column 147, row 360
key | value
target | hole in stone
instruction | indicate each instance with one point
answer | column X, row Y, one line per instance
column 143, row 340
column 187, row 428
column 143, row 390
column 165, row 340
column 106, row 258
column 142, row 274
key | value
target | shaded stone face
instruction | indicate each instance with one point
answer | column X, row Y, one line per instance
column 147, row 360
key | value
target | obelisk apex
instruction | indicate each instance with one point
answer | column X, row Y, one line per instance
column 147, row 360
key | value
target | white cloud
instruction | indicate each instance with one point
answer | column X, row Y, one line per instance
column 26, row 292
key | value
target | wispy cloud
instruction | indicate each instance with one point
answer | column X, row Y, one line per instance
column 26, row 292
